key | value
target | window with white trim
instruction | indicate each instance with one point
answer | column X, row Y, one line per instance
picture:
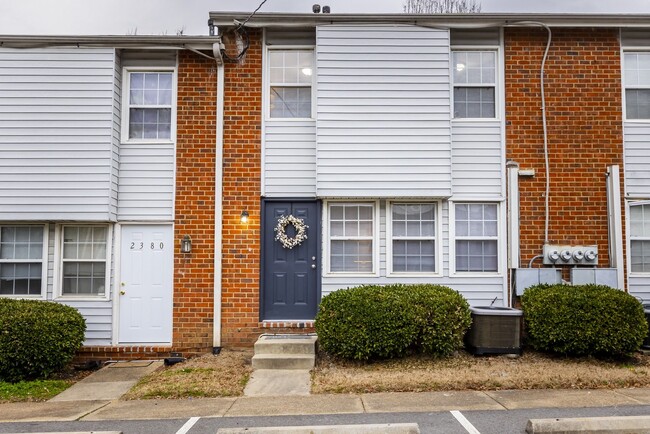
column 476, row 237
column 636, row 78
column 474, row 81
column 290, row 83
column 640, row 238
column 413, row 232
column 351, row 238
column 149, row 105
column 84, row 262
column 22, row 252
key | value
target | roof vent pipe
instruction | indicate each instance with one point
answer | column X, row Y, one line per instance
column 315, row 9
column 326, row 9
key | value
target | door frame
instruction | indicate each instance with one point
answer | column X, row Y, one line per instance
column 319, row 246
column 117, row 269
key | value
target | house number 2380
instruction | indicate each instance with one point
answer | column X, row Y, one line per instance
column 153, row 246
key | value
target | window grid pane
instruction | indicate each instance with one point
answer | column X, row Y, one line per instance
column 476, row 237
column 637, row 85
column 413, row 232
column 290, row 77
column 351, row 229
column 640, row 238
column 84, row 260
column 21, row 260
column 474, row 77
column 150, row 104
column 290, row 102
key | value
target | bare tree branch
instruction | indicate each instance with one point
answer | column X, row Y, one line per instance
column 441, row 6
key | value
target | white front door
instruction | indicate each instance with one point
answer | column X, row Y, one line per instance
column 145, row 288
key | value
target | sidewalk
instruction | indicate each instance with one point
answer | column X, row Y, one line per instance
column 96, row 398
column 319, row 404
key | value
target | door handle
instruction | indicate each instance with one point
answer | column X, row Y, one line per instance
column 122, row 292
column 313, row 265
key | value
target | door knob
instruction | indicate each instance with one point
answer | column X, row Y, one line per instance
column 313, row 265
column 122, row 292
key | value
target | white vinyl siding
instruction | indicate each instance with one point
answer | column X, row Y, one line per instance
column 290, row 158
column 478, row 290
column 477, row 159
column 383, row 111
column 146, row 188
column 56, row 134
column 637, row 159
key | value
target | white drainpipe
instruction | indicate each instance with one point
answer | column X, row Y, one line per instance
column 218, row 191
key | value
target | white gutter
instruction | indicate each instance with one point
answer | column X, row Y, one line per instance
column 218, row 195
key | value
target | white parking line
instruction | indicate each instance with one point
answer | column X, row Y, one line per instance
column 464, row 422
column 188, row 425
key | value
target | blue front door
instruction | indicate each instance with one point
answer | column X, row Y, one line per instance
column 290, row 276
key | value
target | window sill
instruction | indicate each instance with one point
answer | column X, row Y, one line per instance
column 23, row 297
column 290, row 120
column 66, row 298
column 350, row 275
column 413, row 275
column 458, row 274
column 147, row 141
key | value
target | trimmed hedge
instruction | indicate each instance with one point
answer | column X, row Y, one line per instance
column 37, row 338
column 368, row 322
column 583, row 320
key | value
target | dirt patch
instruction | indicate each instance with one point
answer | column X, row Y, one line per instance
column 207, row 376
column 466, row 372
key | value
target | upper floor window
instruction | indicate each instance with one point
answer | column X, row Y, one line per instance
column 290, row 75
column 637, row 85
column 476, row 241
column 149, row 105
column 413, row 233
column 84, row 261
column 474, row 81
column 640, row 238
column 21, row 260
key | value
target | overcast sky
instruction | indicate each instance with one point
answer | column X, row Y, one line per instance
column 119, row 17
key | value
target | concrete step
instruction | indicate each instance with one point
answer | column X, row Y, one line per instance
column 283, row 361
column 286, row 344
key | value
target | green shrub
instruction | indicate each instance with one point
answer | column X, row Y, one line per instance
column 442, row 316
column 583, row 320
column 37, row 338
column 369, row 321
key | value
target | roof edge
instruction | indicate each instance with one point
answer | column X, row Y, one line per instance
column 476, row 20
column 117, row 41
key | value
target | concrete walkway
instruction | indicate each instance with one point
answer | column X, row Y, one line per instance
column 109, row 383
column 319, row 404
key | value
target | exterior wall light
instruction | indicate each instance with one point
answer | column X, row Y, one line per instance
column 244, row 217
column 186, row 244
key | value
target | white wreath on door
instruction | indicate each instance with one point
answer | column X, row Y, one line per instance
column 281, row 233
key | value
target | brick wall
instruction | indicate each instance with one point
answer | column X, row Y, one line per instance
column 195, row 203
column 241, row 191
column 584, row 118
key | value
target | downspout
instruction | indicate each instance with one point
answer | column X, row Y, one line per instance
column 218, row 194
